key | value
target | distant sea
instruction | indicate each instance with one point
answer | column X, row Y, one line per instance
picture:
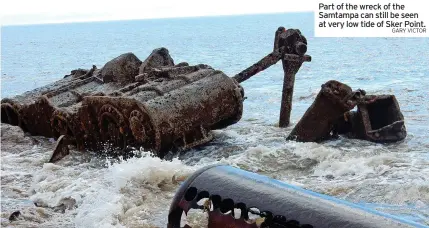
column 393, row 178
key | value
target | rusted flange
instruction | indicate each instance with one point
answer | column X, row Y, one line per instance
column 112, row 125
column 60, row 123
column 143, row 129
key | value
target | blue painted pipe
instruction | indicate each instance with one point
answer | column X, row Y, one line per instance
column 228, row 188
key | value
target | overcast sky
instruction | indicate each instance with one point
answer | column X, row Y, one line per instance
column 15, row 12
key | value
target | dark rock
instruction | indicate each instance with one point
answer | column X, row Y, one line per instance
column 121, row 69
column 78, row 72
column 182, row 64
column 14, row 216
column 82, row 72
column 159, row 57
column 329, row 177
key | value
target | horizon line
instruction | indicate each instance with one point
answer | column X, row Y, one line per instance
column 138, row 19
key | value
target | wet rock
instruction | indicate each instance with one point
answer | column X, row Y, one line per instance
column 14, row 216
column 159, row 57
column 121, row 69
column 65, row 204
column 13, row 139
column 78, row 72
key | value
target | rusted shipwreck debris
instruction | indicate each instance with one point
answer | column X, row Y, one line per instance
column 162, row 106
column 378, row 118
column 154, row 104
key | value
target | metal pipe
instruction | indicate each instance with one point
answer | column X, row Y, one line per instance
column 231, row 190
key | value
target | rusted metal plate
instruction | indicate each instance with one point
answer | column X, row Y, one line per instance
column 333, row 100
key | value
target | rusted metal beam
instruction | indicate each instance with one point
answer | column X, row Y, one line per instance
column 290, row 47
column 295, row 45
column 261, row 65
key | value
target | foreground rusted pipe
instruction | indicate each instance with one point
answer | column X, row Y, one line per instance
column 233, row 194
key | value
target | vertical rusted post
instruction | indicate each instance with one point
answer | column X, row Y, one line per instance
column 277, row 37
column 291, row 65
column 295, row 46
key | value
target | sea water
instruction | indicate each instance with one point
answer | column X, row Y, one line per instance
column 87, row 190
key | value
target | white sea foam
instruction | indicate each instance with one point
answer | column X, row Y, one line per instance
column 86, row 191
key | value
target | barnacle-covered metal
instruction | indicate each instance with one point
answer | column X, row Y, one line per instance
column 161, row 106
column 378, row 118
column 232, row 197
column 333, row 100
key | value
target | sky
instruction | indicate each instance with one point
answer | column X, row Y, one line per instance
column 17, row 12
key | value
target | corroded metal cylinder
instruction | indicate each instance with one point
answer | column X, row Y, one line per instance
column 164, row 107
column 184, row 117
column 177, row 112
column 234, row 195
